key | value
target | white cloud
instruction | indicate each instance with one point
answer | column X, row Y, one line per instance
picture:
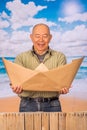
column 23, row 10
column 31, row 22
column 79, row 33
column 4, row 24
column 21, row 13
column 3, row 35
column 71, row 7
column 19, row 36
column 12, row 47
column 4, row 15
column 72, row 42
column 76, row 17
column 67, row 42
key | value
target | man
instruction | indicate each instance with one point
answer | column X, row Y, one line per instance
column 32, row 101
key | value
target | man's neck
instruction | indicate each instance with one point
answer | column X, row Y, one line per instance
column 41, row 52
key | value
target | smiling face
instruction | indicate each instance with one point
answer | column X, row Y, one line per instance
column 41, row 37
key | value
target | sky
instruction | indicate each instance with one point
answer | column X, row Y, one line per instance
column 67, row 20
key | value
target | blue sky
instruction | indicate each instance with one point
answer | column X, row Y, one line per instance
column 67, row 20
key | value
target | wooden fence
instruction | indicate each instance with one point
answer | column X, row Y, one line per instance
column 43, row 121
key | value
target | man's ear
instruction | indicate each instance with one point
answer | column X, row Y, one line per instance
column 50, row 36
column 31, row 36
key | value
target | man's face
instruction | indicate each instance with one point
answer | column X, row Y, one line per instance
column 40, row 38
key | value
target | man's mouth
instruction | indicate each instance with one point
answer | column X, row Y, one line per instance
column 41, row 44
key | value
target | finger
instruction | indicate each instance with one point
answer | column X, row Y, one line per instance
column 66, row 90
column 17, row 89
column 20, row 89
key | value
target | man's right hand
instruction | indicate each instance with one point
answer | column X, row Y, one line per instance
column 16, row 89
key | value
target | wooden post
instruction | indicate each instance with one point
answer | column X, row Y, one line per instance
column 62, row 121
column 54, row 123
column 43, row 121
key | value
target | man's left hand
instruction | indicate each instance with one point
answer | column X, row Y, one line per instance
column 64, row 91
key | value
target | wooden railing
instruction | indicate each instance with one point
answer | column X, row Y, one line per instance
column 43, row 121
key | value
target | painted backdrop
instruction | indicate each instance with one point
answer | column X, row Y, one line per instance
column 67, row 20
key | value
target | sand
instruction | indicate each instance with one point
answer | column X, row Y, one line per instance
column 9, row 104
column 69, row 104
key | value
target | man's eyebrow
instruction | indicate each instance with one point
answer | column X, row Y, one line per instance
column 42, row 34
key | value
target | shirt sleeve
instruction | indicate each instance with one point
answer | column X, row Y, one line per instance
column 61, row 59
column 18, row 60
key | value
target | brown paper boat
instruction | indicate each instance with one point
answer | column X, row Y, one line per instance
column 42, row 79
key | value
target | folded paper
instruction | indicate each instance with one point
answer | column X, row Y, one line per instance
column 42, row 79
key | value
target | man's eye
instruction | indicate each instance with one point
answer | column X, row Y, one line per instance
column 37, row 36
column 45, row 36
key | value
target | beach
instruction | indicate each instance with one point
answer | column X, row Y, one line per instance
column 75, row 100
column 69, row 104
column 9, row 104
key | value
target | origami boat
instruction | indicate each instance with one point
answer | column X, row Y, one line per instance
column 42, row 79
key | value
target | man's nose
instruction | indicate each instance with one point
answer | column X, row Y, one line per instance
column 41, row 38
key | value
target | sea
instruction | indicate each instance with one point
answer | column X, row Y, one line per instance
column 78, row 87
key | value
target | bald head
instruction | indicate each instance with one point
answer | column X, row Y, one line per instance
column 41, row 25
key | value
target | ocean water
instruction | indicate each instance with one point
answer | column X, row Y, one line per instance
column 79, row 84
